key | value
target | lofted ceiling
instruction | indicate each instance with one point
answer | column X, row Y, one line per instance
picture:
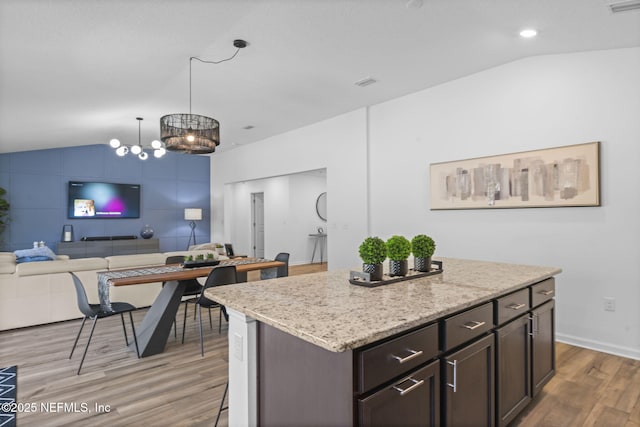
column 78, row 72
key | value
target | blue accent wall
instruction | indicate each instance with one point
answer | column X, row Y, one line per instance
column 36, row 184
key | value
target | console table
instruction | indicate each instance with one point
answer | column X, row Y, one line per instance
column 105, row 248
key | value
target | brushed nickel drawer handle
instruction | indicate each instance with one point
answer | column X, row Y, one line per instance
column 413, row 355
column 547, row 293
column 454, row 385
column 415, row 385
column 516, row 306
column 473, row 325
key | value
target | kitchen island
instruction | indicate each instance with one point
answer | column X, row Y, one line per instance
column 317, row 350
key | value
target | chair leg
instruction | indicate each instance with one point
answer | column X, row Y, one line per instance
column 219, row 320
column 184, row 322
column 210, row 322
column 135, row 338
column 200, row 330
column 221, row 408
column 84, row 319
column 93, row 327
column 126, row 339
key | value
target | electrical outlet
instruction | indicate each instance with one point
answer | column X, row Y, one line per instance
column 609, row 304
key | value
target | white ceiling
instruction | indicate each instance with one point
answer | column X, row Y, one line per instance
column 78, row 72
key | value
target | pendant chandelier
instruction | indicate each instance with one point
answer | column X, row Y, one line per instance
column 193, row 133
column 138, row 150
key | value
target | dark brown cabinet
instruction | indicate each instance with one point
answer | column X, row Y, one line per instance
column 543, row 345
column 513, row 362
column 480, row 366
column 411, row 401
column 105, row 248
column 468, row 385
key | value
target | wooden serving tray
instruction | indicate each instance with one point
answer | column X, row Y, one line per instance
column 355, row 280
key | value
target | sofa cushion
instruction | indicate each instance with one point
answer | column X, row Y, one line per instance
column 135, row 260
column 7, row 263
column 61, row 266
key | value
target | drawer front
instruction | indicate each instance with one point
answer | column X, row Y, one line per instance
column 511, row 306
column 390, row 359
column 542, row 292
column 411, row 401
column 467, row 325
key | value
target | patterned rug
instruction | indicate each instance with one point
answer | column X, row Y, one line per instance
column 8, row 393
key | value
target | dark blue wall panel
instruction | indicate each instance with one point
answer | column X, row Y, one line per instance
column 36, row 184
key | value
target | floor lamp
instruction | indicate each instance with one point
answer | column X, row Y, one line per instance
column 192, row 215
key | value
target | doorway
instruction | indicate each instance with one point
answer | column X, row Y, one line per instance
column 257, row 224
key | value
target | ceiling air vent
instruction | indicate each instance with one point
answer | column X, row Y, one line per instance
column 624, row 6
column 366, row 82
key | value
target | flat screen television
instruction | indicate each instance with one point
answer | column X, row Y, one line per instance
column 100, row 200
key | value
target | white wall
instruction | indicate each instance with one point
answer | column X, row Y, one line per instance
column 338, row 145
column 534, row 103
column 289, row 214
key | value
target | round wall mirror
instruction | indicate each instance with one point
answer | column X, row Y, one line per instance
column 321, row 206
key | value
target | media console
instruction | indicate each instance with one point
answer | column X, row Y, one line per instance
column 116, row 245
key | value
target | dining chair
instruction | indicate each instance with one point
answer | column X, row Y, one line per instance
column 95, row 312
column 282, row 271
column 191, row 287
column 225, row 275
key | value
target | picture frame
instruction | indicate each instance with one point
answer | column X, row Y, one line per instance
column 566, row 176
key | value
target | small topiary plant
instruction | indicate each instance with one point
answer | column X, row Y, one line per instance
column 373, row 250
column 422, row 246
column 398, row 248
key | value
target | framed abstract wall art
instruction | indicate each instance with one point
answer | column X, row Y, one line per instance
column 551, row 177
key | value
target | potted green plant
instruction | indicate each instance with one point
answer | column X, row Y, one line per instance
column 220, row 249
column 209, row 255
column 398, row 250
column 373, row 252
column 423, row 248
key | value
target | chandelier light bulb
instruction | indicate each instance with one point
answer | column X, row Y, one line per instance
column 136, row 149
column 159, row 152
column 122, row 151
column 114, row 143
column 191, row 138
column 156, row 144
column 143, row 155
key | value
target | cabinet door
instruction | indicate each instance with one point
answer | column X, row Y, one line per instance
column 411, row 401
column 543, row 345
column 468, row 385
column 513, row 385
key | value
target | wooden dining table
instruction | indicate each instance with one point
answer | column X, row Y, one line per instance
column 154, row 330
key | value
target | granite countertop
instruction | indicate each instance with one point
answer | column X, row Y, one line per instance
column 328, row 311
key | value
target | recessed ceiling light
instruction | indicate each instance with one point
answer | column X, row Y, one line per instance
column 528, row 33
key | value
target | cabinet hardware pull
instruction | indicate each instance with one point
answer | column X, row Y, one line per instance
column 473, row 325
column 413, row 355
column 531, row 330
column 516, row 306
column 415, row 385
column 454, row 386
column 547, row 293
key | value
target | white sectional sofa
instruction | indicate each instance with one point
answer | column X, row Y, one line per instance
column 36, row 293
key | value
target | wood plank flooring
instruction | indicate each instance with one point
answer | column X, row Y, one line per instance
column 180, row 388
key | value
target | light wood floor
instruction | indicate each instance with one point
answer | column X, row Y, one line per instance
column 180, row 388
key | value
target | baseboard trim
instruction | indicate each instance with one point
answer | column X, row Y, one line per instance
column 631, row 353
